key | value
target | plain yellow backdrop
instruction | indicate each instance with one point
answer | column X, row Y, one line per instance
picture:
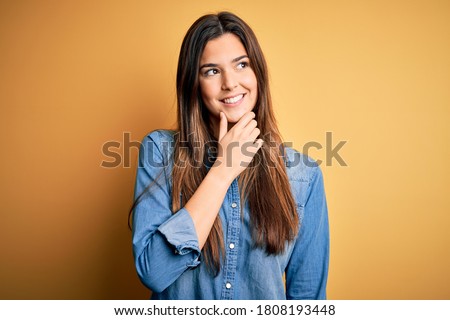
column 77, row 74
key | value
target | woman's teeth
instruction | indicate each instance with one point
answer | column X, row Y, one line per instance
column 234, row 99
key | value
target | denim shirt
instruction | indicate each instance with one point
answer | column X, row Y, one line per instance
column 166, row 249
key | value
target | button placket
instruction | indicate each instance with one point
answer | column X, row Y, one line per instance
column 233, row 231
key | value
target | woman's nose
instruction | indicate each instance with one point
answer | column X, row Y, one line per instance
column 229, row 81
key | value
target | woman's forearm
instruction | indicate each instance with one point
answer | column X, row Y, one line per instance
column 205, row 204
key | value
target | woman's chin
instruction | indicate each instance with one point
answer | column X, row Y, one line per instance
column 234, row 117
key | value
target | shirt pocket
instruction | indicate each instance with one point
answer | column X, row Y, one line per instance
column 300, row 192
column 300, row 213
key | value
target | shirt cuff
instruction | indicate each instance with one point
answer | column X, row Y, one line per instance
column 180, row 232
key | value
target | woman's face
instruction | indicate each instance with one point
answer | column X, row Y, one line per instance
column 227, row 82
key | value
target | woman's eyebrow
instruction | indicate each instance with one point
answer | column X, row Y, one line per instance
column 212, row 65
column 239, row 58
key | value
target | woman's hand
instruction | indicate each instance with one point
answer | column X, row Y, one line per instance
column 238, row 146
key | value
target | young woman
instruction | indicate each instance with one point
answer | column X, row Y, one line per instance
column 222, row 210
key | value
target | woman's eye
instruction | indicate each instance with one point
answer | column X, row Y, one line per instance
column 242, row 65
column 211, row 72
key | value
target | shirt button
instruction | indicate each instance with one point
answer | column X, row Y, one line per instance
column 231, row 245
column 234, row 205
column 228, row 285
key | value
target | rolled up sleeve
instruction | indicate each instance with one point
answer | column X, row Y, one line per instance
column 184, row 239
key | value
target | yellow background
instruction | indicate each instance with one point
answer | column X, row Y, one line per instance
column 77, row 74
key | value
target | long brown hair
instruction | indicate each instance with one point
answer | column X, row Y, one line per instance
column 264, row 184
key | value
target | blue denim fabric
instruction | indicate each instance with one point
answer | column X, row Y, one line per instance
column 166, row 250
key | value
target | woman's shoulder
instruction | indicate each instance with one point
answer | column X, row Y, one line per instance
column 160, row 135
column 299, row 166
column 157, row 147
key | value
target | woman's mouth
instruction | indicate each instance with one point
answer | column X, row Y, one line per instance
column 233, row 100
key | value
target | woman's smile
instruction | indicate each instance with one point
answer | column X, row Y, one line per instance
column 233, row 101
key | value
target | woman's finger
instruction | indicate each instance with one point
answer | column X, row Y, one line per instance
column 254, row 134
